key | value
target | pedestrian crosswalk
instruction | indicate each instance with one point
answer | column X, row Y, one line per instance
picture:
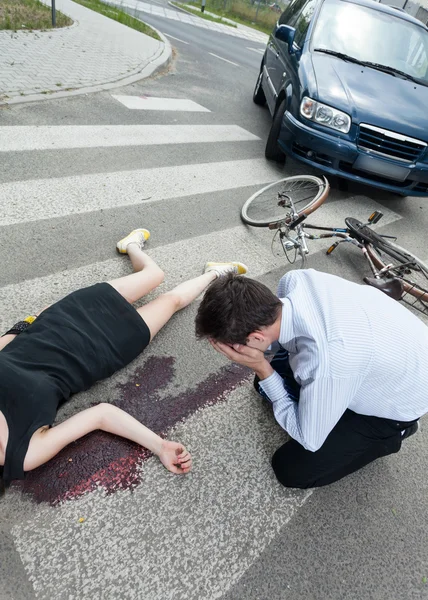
column 220, row 518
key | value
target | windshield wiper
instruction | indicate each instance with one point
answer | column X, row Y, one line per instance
column 391, row 70
column 372, row 65
column 339, row 55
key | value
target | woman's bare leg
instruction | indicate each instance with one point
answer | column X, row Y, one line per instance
column 147, row 275
column 157, row 312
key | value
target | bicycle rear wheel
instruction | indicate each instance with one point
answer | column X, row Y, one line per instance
column 396, row 261
column 276, row 202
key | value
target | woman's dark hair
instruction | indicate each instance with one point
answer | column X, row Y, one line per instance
column 235, row 306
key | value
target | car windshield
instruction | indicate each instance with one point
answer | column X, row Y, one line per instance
column 370, row 35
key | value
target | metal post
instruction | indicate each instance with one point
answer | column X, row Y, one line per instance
column 203, row 5
column 257, row 11
column 53, row 14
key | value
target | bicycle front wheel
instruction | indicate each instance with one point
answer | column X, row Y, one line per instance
column 399, row 262
column 278, row 201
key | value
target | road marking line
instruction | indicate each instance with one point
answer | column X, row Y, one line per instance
column 152, row 103
column 51, row 198
column 177, row 39
column 225, row 59
column 25, row 138
column 258, row 50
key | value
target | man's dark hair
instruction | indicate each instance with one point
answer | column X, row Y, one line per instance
column 235, row 306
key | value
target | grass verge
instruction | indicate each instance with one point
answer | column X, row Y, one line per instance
column 117, row 14
column 263, row 19
column 29, row 14
column 197, row 11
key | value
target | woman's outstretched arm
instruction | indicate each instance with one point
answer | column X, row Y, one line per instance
column 46, row 443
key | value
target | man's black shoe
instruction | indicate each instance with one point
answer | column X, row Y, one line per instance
column 410, row 430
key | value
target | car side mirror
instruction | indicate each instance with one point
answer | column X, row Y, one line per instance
column 286, row 34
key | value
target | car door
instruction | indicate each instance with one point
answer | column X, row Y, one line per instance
column 272, row 64
column 288, row 61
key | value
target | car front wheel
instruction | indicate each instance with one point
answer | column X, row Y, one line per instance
column 273, row 150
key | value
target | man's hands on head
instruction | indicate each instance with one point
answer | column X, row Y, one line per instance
column 246, row 356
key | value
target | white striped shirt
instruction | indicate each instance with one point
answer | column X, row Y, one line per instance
column 350, row 346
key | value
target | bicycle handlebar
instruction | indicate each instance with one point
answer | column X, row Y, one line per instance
column 300, row 219
column 290, row 225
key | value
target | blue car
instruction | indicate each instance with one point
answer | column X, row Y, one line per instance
column 346, row 82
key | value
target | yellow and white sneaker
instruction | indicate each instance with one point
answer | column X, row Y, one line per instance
column 138, row 236
column 221, row 268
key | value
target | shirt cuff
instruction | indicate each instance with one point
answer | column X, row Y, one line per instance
column 273, row 386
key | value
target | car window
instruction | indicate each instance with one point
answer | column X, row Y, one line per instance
column 416, row 55
column 303, row 21
column 289, row 16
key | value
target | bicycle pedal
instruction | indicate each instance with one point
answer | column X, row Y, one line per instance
column 332, row 247
column 375, row 217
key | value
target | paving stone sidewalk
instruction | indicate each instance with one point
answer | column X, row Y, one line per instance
column 94, row 51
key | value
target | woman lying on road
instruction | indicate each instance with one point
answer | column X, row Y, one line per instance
column 83, row 338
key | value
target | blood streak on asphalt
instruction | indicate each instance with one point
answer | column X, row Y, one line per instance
column 103, row 460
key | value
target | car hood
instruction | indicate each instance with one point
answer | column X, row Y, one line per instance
column 371, row 96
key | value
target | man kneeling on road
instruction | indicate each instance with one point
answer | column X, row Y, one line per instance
column 350, row 379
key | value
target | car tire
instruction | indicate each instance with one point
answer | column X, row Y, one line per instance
column 273, row 150
column 259, row 95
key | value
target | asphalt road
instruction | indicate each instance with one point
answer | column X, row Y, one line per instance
column 228, row 530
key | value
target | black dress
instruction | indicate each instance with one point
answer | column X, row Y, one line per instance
column 81, row 339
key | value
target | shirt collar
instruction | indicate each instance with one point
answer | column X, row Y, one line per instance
column 287, row 337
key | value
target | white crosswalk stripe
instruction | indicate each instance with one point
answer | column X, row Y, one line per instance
column 19, row 139
column 52, row 198
column 152, row 103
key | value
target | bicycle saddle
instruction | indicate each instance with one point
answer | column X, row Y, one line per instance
column 393, row 287
column 361, row 231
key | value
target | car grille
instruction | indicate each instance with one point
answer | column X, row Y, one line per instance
column 389, row 143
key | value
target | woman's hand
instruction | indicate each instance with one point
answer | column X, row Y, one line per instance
column 175, row 457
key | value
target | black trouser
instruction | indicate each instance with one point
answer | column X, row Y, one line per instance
column 355, row 441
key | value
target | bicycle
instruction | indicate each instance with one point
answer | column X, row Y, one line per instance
column 395, row 271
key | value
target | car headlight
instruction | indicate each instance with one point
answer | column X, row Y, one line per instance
column 325, row 115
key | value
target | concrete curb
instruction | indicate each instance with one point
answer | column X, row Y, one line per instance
column 159, row 60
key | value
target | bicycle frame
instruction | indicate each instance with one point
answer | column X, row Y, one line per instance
column 299, row 242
